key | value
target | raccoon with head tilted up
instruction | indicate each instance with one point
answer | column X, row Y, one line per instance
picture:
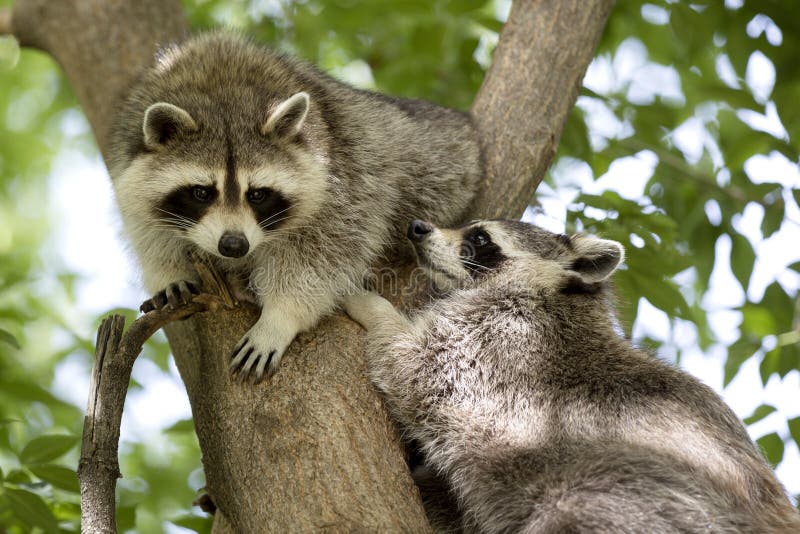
column 536, row 415
column 281, row 176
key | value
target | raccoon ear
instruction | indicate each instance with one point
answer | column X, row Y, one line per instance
column 163, row 121
column 288, row 117
column 595, row 259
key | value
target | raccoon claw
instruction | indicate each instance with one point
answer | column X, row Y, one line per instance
column 248, row 362
column 175, row 294
column 259, row 353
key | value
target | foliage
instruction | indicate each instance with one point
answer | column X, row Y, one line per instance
column 435, row 49
column 719, row 56
column 37, row 430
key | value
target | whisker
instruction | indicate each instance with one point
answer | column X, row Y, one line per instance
column 285, row 233
column 477, row 266
column 267, row 224
column 174, row 223
column 175, row 215
column 276, row 214
column 171, row 226
column 482, row 267
column 174, row 219
column 167, row 227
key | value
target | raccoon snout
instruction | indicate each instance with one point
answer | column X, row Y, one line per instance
column 233, row 245
column 418, row 231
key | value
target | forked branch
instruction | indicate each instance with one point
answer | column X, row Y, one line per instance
column 115, row 354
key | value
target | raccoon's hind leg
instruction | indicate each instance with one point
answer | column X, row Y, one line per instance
column 174, row 294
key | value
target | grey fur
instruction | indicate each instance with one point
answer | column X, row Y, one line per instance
column 360, row 167
column 524, row 398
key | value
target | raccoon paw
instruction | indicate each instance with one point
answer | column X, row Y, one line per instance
column 175, row 294
column 259, row 354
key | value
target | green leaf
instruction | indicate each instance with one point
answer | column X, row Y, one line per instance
column 781, row 307
column 6, row 422
column 18, row 476
column 773, row 217
column 46, row 448
column 463, row 6
column 193, row 522
column 758, row 321
column 129, row 314
column 31, row 509
column 742, row 259
column 575, row 138
column 794, row 429
column 159, row 352
column 184, row 425
column 769, row 365
column 738, row 353
column 67, row 511
column 664, row 295
column 126, row 518
column 772, row 447
column 31, row 391
column 8, row 337
column 57, row 476
column 9, row 53
column 759, row 413
column 780, row 361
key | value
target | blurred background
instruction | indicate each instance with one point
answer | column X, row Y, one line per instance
column 683, row 146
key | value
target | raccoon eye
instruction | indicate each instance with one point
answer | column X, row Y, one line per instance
column 479, row 239
column 203, row 194
column 257, row 196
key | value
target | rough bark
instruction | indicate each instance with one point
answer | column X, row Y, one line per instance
column 523, row 104
column 312, row 449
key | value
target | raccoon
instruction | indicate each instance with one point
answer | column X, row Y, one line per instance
column 533, row 411
column 289, row 181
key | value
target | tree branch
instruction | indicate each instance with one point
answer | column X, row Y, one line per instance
column 115, row 354
column 312, row 449
column 523, row 104
column 100, row 44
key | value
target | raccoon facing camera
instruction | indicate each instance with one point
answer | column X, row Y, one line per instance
column 281, row 176
column 532, row 413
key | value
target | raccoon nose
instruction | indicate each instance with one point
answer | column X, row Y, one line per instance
column 419, row 230
column 233, row 245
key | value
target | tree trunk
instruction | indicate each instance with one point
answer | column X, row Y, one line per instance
column 523, row 104
column 312, row 449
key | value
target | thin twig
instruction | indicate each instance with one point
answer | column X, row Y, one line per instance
column 115, row 354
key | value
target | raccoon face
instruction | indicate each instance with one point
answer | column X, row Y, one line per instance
column 219, row 189
column 513, row 253
column 222, row 215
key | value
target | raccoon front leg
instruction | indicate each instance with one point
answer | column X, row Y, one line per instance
column 258, row 354
column 391, row 369
column 375, row 314
column 169, row 284
column 175, row 294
